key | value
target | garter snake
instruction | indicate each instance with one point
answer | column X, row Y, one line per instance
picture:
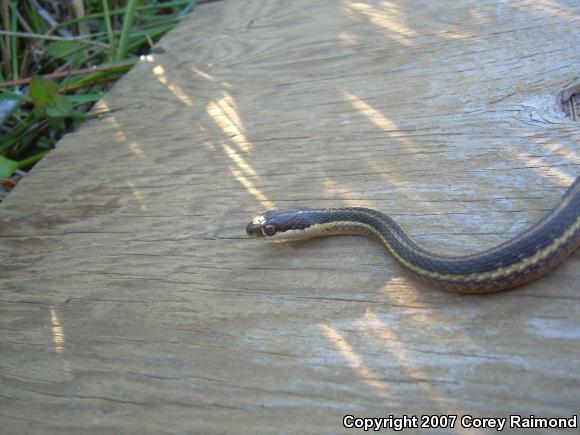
column 518, row 261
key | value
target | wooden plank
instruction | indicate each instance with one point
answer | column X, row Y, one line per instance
column 133, row 302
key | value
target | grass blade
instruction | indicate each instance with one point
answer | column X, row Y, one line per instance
column 109, row 26
column 13, row 40
column 127, row 26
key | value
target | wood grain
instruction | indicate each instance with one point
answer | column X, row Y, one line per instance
column 133, row 302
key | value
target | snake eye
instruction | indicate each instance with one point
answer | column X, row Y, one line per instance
column 269, row 230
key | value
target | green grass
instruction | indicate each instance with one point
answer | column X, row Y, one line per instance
column 46, row 50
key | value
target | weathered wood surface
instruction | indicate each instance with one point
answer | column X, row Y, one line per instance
column 133, row 302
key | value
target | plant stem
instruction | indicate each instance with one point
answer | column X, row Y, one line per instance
column 71, row 73
column 31, row 160
column 109, row 27
column 173, row 4
column 127, row 26
column 79, row 39
column 13, row 40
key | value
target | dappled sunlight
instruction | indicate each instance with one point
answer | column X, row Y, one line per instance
column 412, row 367
column 57, row 332
column 478, row 18
column 389, row 127
column 203, row 75
column 137, row 195
column 118, row 133
column 370, row 323
column 136, row 149
column 394, row 179
column 389, row 17
column 456, row 33
column 332, row 186
column 159, row 72
column 553, row 174
column 560, row 177
column 349, row 38
column 398, row 181
column 205, row 133
column 392, row 18
column 240, row 161
column 381, row 121
column 394, row 285
column 257, row 193
column 225, row 114
column 58, row 337
column 356, row 362
column 149, row 58
column 416, row 297
column 556, row 148
column 548, row 7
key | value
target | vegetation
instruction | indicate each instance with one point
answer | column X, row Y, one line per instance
column 57, row 58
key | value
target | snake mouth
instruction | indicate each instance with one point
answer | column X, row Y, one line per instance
column 254, row 230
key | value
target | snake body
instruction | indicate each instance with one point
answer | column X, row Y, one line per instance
column 518, row 261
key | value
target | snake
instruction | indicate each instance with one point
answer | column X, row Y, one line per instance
column 513, row 263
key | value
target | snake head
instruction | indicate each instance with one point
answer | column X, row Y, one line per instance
column 276, row 224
